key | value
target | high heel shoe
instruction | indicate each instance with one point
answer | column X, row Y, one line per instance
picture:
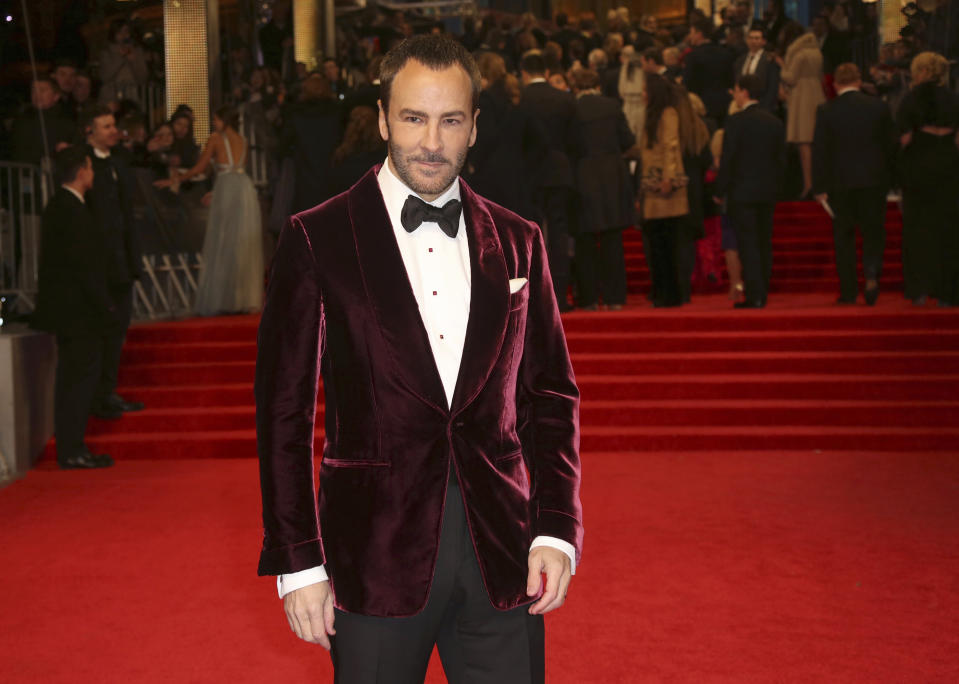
column 736, row 292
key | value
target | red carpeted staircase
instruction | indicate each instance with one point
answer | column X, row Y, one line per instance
column 802, row 374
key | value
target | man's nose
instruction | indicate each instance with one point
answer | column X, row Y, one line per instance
column 431, row 140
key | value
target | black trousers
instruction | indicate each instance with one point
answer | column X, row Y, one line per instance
column 753, row 225
column 600, row 268
column 79, row 363
column 555, row 207
column 477, row 644
column 662, row 237
column 865, row 207
column 113, row 343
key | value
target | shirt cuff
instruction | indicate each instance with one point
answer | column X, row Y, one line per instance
column 297, row 580
column 555, row 543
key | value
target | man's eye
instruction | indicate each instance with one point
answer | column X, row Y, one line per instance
column 452, row 122
column 413, row 119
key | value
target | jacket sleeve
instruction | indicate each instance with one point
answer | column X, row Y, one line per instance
column 289, row 349
column 550, row 399
column 727, row 158
column 821, row 153
column 672, row 155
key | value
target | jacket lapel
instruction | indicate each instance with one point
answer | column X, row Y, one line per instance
column 390, row 293
column 489, row 301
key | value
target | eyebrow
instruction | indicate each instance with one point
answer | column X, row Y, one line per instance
column 424, row 115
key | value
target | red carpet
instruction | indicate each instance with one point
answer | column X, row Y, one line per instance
column 770, row 496
column 699, row 567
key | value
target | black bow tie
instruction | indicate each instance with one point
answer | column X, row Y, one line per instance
column 416, row 211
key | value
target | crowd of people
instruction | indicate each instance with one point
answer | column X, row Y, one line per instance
column 587, row 130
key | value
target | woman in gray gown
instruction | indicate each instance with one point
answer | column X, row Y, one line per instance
column 232, row 277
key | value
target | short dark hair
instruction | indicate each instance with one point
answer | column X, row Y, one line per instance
column 703, row 25
column 533, row 63
column 93, row 113
column 68, row 162
column 757, row 27
column 654, row 54
column 229, row 115
column 752, row 84
column 436, row 52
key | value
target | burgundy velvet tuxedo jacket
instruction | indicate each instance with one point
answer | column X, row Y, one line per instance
column 340, row 304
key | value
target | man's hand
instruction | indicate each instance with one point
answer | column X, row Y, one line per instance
column 545, row 560
column 310, row 613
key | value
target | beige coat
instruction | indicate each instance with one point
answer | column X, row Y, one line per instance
column 802, row 77
column 664, row 160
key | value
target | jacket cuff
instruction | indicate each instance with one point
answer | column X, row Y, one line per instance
column 291, row 558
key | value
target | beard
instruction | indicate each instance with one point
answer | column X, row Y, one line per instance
column 431, row 185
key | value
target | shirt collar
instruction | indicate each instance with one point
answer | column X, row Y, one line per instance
column 847, row 89
column 100, row 153
column 537, row 79
column 396, row 191
column 749, row 104
column 75, row 193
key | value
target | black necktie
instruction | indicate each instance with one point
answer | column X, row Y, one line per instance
column 416, row 211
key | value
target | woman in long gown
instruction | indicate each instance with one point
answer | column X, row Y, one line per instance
column 232, row 277
column 928, row 168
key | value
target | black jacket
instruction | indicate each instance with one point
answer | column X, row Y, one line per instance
column 754, row 157
column 555, row 110
column 708, row 72
column 111, row 201
column 854, row 145
column 73, row 297
column 510, row 147
column 311, row 133
column 602, row 177
column 768, row 72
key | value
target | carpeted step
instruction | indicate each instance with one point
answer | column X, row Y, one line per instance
column 623, row 413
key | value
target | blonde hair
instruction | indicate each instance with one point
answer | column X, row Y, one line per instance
column 929, row 66
column 693, row 134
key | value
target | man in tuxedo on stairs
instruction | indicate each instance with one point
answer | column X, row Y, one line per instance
column 750, row 175
column 854, row 148
column 449, row 483
column 74, row 303
column 111, row 200
column 555, row 111
column 759, row 63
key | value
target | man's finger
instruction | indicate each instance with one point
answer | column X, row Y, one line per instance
column 329, row 616
column 318, row 628
column 553, row 572
column 534, row 580
column 560, row 594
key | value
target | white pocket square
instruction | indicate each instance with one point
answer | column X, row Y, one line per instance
column 516, row 284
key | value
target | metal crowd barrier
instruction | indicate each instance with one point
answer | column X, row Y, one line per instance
column 167, row 287
column 24, row 190
column 152, row 99
column 257, row 154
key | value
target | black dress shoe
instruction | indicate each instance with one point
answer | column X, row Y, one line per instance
column 115, row 401
column 106, row 412
column 871, row 295
column 842, row 301
column 85, row 460
column 750, row 304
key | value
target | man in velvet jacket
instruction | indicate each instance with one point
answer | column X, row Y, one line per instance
column 449, row 483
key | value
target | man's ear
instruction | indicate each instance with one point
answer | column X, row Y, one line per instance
column 473, row 133
column 384, row 126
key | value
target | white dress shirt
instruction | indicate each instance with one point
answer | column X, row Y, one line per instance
column 751, row 62
column 438, row 268
column 75, row 192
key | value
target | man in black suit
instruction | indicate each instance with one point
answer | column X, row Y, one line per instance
column 750, row 174
column 759, row 63
column 854, row 148
column 555, row 111
column 709, row 69
column 111, row 201
column 74, row 303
